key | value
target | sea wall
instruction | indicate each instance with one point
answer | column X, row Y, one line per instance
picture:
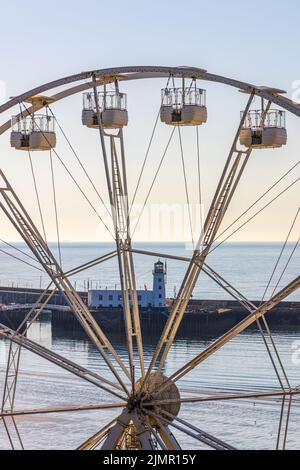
column 210, row 318
column 202, row 316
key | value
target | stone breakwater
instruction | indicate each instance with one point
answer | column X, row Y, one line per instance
column 202, row 316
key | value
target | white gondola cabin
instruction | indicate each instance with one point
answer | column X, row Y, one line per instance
column 185, row 106
column 35, row 132
column 263, row 130
column 112, row 110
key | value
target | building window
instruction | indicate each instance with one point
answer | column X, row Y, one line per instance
column 100, row 297
column 159, row 279
column 119, row 297
column 139, row 297
column 160, row 296
column 110, row 305
column 159, row 287
column 110, row 297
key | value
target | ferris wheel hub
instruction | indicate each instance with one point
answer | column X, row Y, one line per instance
column 150, row 397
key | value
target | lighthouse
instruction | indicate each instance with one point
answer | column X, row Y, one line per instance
column 159, row 285
column 156, row 298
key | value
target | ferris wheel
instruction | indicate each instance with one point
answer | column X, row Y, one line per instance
column 147, row 402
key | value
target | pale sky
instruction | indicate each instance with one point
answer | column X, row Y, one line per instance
column 256, row 42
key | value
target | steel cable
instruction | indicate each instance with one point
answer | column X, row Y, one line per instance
column 37, row 196
column 280, row 256
column 260, row 198
column 17, row 249
column 199, row 179
column 186, row 186
column 55, row 208
column 253, row 216
column 73, row 178
column 20, row 259
column 79, row 160
column 147, row 153
column 287, row 263
column 154, row 179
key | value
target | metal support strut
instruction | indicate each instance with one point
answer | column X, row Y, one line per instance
column 233, row 170
column 118, row 194
column 16, row 213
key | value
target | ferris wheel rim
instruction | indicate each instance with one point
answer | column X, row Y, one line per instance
column 127, row 73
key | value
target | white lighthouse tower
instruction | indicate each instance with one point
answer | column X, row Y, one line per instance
column 159, row 285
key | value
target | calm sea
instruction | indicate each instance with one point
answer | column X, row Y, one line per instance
column 248, row 266
column 242, row 365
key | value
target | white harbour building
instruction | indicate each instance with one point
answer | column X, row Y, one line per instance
column 155, row 298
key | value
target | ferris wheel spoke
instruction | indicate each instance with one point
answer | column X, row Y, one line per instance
column 231, row 175
column 36, row 310
column 143, row 433
column 220, row 342
column 276, row 394
column 138, row 426
column 117, row 431
column 251, row 307
column 284, row 422
column 91, row 264
column 62, row 409
column 61, row 361
column 13, row 360
column 116, row 179
column 239, row 297
column 158, row 439
column 212, row 274
column 13, row 433
column 12, row 370
column 168, row 439
column 129, row 432
column 209, row 439
column 16, row 213
column 198, row 433
column 191, row 430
